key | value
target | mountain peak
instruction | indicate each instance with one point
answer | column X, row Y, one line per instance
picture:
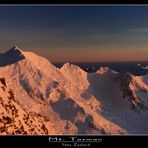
column 12, row 56
column 143, row 67
column 69, row 66
column 15, row 48
column 103, row 70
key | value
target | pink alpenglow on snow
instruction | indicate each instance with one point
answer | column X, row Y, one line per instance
column 38, row 98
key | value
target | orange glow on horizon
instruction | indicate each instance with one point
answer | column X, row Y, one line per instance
column 94, row 55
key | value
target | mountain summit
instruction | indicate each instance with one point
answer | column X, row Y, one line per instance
column 38, row 98
column 12, row 56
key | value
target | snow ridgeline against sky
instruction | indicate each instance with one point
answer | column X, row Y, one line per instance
column 39, row 98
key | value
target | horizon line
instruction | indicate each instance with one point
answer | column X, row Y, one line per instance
column 98, row 62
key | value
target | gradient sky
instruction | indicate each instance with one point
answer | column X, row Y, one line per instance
column 77, row 33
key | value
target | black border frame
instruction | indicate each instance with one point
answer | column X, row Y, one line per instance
column 38, row 140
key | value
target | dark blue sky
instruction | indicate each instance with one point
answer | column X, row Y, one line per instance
column 77, row 33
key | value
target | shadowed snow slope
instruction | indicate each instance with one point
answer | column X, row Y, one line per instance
column 69, row 99
column 11, row 56
column 119, row 97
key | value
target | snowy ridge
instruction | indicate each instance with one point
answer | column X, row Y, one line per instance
column 72, row 100
column 15, row 54
column 76, row 75
column 143, row 67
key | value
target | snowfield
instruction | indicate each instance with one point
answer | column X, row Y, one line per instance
column 38, row 98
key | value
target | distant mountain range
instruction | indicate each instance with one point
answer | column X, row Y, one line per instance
column 38, row 98
column 135, row 68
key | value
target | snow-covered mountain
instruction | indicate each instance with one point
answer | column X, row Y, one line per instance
column 143, row 67
column 68, row 100
column 15, row 120
column 140, row 70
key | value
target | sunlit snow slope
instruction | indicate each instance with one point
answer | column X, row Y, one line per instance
column 39, row 98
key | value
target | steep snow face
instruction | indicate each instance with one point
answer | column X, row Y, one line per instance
column 43, row 89
column 34, row 87
column 34, row 75
column 41, row 92
column 16, row 56
column 121, row 88
column 128, row 85
column 15, row 120
column 106, row 90
column 141, row 82
column 130, row 108
column 138, row 94
column 140, row 88
column 74, row 101
column 119, row 97
column 39, row 62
